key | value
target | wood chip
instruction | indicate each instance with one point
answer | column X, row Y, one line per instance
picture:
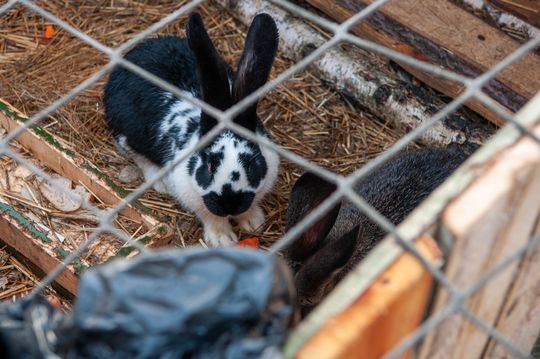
column 60, row 199
column 3, row 283
column 22, row 172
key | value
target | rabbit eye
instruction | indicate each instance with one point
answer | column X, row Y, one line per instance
column 254, row 160
column 213, row 161
column 212, row 165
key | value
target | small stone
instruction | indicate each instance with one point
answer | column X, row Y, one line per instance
column 16, row 184
column 129, row 174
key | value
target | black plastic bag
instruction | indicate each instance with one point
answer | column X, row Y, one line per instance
column 27, row 328
column 195, row 303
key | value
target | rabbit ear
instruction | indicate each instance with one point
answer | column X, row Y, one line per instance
column 254, row 66
column 307, row 193
column 316, row 277
column 212, row 70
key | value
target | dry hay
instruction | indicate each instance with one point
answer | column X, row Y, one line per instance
column 16, row 281
column 302, row 114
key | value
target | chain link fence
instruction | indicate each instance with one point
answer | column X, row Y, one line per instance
column 340, row 34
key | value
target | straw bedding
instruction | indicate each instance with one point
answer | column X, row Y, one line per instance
column 303, row 115
column 16, row 281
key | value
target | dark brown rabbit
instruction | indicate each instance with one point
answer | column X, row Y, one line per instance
column 333, row 245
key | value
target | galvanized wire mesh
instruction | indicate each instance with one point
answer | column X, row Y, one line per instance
column 340, row 34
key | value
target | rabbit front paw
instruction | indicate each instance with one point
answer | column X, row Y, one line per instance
column 150, row 170
column 160, row 187
column 251, row 220
column 219, row 236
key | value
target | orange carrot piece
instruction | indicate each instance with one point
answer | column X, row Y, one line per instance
column 252, row 242
column 49, row 32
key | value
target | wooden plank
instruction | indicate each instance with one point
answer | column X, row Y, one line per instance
column 466, row 37
column 63, row 161
column 527, row 10
column 426, row 30
column 381, row 317
column 490, row 220
column 14, row 235
column 22, row 235
column 519, row 320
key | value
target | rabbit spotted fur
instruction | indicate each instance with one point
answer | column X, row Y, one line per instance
column 230, row 176
column 334, row 244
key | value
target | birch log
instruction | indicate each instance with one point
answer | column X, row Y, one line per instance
column 503, row 18
column 373, row 85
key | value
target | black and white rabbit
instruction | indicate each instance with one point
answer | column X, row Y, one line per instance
column 334, row 244
column 229, row 177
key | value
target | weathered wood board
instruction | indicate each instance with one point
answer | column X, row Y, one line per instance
column 519, row 320
column 48, row 150
column 20, row 234
column 381, row 316
column 489, row 221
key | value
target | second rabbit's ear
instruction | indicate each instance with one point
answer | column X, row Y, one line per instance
column 308, row 192
column 212, row 70
column 317, row 277
column 254, row 66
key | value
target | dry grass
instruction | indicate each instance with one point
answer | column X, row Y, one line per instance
column 302, row 114
column 16, row 281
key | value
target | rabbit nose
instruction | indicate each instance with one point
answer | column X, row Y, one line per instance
column 229, row 202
